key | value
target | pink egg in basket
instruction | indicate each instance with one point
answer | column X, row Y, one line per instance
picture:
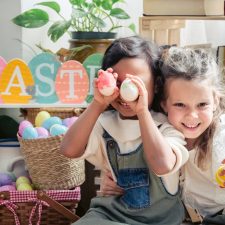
column 23, row 125
column 106, row 83
column 42, row 132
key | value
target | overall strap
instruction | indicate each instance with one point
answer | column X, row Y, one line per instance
column 112, row 148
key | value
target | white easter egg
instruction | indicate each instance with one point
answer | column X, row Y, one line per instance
column 128, row 90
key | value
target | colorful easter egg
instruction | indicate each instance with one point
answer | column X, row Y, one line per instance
column 23, row 125
column 68, row 122
column 65, row 122
column 5, row 179
column 72, row 83
column 24, row 187
column 106, row 83
column 58, row 129
column 29, row 133
column 220, row 176
column 42, row 132
column 51, row 121
column 14, row 81
column 41, row 117
column 72, row 121
column 22, row 180
column 44, row 68
column 128, row 90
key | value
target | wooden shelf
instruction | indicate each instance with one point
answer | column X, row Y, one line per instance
column 165, row 30
column 184, row 17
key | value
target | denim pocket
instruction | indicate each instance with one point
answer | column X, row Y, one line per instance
column 135, row 182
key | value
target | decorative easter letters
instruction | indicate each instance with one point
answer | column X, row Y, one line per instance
column 46, row 82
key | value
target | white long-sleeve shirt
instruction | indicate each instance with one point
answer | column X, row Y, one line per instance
column 128, row 136
column 200, row 189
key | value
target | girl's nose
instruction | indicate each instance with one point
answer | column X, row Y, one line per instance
column 193, row 113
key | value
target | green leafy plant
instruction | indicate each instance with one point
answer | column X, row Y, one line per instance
column 95, row 15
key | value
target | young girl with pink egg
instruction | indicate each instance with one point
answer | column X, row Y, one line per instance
column 141, row 149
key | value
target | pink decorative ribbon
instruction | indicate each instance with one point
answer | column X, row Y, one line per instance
column 38, row 207
column 11, row 206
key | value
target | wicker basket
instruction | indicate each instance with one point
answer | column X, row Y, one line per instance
column 31, row 113
column 47, row 167
column 45, row 208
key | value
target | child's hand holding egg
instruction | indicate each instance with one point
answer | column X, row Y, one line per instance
column 106, row 82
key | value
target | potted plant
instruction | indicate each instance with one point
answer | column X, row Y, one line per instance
column 87, row 16
column 89, row 20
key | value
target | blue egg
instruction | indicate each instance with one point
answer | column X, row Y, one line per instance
column 51, row 121
column 29, row 133
column 58, row 129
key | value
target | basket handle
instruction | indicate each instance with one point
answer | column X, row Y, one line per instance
column 57, row 206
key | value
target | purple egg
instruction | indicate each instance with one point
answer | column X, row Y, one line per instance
column 5, row 179
column 72, row 120
column 42, row 132
column 66, row 121
column 23, row 125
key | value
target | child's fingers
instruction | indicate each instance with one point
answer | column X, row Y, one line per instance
column 109, row 186
column 110, row 70
column 95, row 83
column 140, row 85
column 115, row 75
column 100, row 71
column 135, row 78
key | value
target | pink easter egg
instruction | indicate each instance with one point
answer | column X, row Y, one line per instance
column 42, row 132
column 23, row 125
column 106, row 83
column 72, row 83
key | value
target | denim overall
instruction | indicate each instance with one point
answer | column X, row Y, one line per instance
column 145, row 200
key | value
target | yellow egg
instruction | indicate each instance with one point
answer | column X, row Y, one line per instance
column 220, row 178
column 41, row 117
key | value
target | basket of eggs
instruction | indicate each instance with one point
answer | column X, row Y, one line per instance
column 21, row 204
column 40, row 143
column 31, row 113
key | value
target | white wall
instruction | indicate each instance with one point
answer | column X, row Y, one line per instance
column 9, row 47
column 202, row 32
